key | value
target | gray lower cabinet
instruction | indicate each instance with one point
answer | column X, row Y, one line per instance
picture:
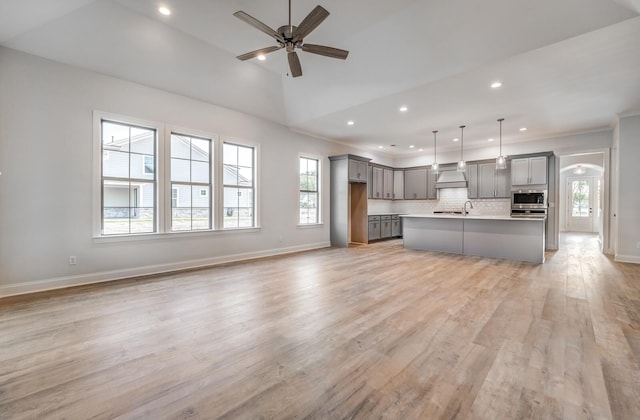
column 396, row 227
column 374, row 228
column 385, row 227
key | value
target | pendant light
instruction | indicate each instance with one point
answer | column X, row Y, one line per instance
column 462, row 165
column 434, row 166
column 501, row 162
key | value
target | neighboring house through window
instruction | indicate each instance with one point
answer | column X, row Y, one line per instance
column 128, row 181
column 239, row 189
column 190, row 176
column 309, row 204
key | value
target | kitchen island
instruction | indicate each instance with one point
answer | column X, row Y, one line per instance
column 520, row 239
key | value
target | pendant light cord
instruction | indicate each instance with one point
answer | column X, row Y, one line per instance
column 435, row 146
column 500, row 121
column 462, row 142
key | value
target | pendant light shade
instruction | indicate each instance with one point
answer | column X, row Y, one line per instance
column 434, row 167
column 462, row 165
column 501, row 162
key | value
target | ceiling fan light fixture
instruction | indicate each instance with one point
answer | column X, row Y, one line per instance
column 262, row 57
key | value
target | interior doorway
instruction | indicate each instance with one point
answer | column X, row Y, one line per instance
column 582, row 194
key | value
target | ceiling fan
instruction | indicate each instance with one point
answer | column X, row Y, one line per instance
column 291, row 37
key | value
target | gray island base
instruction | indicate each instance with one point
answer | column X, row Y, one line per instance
column 518, row 239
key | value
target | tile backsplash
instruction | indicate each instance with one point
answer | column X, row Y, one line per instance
column 449, row 199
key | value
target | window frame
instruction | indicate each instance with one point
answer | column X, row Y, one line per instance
column 318, row 190
column 163, row 180
column 213, row 152
column 98, row 193
column 256, row 183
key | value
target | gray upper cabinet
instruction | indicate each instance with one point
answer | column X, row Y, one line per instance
column 472, row 181
column 529, row 171
column 357, row 170
column 370, row 182
column 377, row 189
column 490, row 182
column 398, row 185
column 415, row 184
column 388, row 184
column 503, row 182
column 431, row 185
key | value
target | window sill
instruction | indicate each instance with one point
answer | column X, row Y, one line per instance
column 311, row 226
column 171, row 235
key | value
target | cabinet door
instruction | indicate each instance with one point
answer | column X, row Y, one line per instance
column 419, row 183
column 385, row 229
column 520, row 172
column 398, row 185
column 486, row 180
column 472, row 181
column 374, row 230
column 378, row 183
column 396, row 229
column 503, row 182
column 431, row 185
column 370, row 182
column 538, row 170
column 409, row 185
column 388, row 184
column 357, row 170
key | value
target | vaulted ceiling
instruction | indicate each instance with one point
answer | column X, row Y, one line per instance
column 566, row 66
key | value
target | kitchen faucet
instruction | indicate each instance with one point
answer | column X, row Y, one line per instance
column 464, row 208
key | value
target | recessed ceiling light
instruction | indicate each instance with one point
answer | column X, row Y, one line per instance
column 164, row 10
column 412, row 146
column 456, row 139
column 261, row 57
column 496, row 84
column 380, row 147
column 420, row 150
column 523, row 129
column 490, row 140
column 403, row 108
column 350, row 122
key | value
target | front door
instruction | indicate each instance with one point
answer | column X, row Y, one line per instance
column 581, row 197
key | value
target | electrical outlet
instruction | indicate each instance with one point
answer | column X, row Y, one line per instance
column 73, row 260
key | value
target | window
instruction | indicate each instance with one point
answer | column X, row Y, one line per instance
column 309, row 191
column 128, row 181
column 239, row 191
column 152, row 179
column 190, row 177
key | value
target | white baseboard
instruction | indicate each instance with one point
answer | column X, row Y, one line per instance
column 104, row 276
column 627, row 258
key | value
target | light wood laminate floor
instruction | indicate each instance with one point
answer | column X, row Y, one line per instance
column 373, row 331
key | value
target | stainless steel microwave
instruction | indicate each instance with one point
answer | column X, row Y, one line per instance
column 529, row 199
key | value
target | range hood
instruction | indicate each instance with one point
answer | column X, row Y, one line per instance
column 451, row 179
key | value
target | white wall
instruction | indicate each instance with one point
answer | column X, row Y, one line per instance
column 46, row 130
column 628, row 207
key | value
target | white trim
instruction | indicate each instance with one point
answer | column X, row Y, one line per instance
column 104, row 276
column 170, row 235
column 635, row 259
column 256, row 180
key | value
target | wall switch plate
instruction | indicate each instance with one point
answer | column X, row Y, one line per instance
column 73, row 260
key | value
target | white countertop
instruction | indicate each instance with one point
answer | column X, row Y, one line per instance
column 385, row 214
column 470, row 216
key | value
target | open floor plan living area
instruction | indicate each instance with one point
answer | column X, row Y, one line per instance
column 319, row 209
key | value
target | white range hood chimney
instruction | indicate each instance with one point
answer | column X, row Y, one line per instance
column 451, row 179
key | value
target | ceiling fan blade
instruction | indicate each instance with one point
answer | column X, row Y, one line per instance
column 258, row 25
column 326, row 51
column 294, row 64
column 310, row 23
column 254, row 54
